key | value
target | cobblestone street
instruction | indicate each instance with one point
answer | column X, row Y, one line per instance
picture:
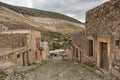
column 59, row 69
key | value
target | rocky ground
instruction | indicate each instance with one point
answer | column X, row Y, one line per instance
column 59, row 69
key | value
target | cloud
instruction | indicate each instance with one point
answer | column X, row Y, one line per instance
column 25, row 3
column 73, row 8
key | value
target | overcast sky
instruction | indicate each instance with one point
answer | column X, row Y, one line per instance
column 73, row 8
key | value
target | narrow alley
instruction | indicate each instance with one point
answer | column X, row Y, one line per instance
column 59, row 69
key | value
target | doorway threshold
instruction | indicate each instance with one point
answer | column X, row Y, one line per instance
column 104, row 71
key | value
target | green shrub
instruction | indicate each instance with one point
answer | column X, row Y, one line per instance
column 57, row 46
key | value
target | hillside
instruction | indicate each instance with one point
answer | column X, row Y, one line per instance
column 42, row 20
column 14, row 20
column 52, row 25
column 38, row 13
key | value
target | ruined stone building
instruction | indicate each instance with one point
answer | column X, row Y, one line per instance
column 102, row 37
column 79, row 41
column 21, row 47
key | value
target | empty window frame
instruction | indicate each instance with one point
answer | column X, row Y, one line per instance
column 90, row 48
column 18, row 56
column 117, row 43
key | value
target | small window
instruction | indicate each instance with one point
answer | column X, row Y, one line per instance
column 90, row 48
column 117, row 43
column 30, row 50
column 18, row 56
column 3, row 29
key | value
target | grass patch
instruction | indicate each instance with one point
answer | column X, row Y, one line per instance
column 2, row 76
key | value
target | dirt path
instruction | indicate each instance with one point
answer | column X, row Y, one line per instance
column 59, row 69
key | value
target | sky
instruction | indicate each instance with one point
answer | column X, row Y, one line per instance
column 72, row 8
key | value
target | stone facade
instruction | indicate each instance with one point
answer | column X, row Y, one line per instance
column 102, row 38
column 34, row 39
column 79, row 46
column 22, row 47
column 102, row 28
column 13, row 40
column 18, row 56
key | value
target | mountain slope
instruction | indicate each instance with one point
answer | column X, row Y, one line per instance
column 38, row 13
column 14, row 20
column 42, row 20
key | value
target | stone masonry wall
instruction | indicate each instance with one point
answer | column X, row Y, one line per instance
column 34, row 50
column 103, row 23
column 13, row 40
column 79, row 40
column 104, row 19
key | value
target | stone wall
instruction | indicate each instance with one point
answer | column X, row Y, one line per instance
column 13, row 40
column 16, row 56
column 34, row 45
column 103, row 20
column 18, row 39
column 79, row 42
column 103, row 25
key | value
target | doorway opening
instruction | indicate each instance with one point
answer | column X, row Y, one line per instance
column 104, row 61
